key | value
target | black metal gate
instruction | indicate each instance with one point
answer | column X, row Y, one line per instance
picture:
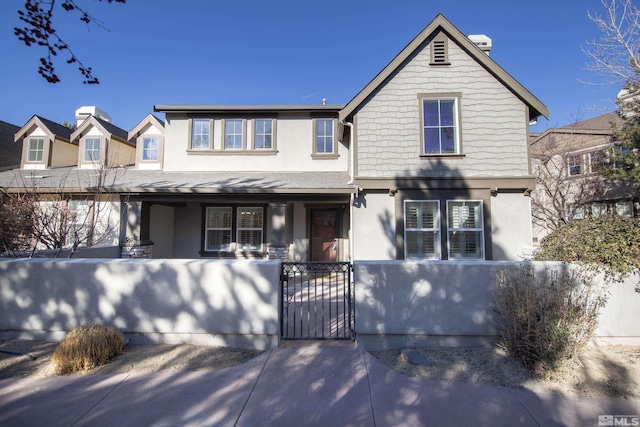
column 317, row 301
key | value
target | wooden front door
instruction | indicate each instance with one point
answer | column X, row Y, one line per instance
column 324, row 232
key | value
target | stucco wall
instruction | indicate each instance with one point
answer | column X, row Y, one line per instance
column 404, row 303
column 493, row 122
column 231, row 303
column 511, row 226
column 294, row 144
column 374, row 227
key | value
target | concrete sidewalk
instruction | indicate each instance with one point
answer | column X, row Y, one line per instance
column 325, row 385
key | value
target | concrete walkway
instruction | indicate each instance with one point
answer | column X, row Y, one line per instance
column 334, row 385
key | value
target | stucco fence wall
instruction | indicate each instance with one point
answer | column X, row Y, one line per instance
column 211, row 302
column 443, row 303
column 236, row 302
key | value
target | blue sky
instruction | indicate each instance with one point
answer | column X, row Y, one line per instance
column 286, row 52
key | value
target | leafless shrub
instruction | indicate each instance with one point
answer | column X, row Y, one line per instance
column 543, row 318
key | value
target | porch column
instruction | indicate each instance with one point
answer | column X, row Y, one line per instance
column 277, row 246
column 132, row 221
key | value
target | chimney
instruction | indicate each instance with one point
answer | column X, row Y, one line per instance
column 482, row 41
column 84, row 112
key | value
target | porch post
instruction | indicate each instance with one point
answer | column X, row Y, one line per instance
column 132, row 217
column 277, row 246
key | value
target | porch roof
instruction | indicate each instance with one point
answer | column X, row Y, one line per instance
column 129, row 180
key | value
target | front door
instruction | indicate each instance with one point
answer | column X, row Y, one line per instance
column 324, row 232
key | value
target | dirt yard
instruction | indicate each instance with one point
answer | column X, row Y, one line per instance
column 599, row 371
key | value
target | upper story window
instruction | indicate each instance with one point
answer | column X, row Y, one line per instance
column 36, row 149
column 201, row 134
column 440, row 130
column 233, row 134
column 465, row 229
column 323, row 136
column 422, row 229
column 150, row 148
column 92, row 149
column 263, row 139
column 596, row 160
column 574, row 165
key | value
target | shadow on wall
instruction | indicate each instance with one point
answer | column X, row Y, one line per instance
column 233, row 303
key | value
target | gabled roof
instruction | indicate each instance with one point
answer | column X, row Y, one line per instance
column 149, row 120
column 440, row 23
column 52, row 129
column 109, row 129
column 600, row 125
column 10, row 152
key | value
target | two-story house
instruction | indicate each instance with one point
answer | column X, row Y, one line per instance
column 428, row 161
column 566, row 161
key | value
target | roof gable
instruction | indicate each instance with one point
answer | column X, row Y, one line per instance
column 52, row 129
column 10, row 151
column 109, row 129
column 441, row 24
column 149, row 120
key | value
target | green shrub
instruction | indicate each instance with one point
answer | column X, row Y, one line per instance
column 87, row 347
column 609, row 244
column 543, row 318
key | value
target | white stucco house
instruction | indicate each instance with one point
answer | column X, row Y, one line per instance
column 429, row 160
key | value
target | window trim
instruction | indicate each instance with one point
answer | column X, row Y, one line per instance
column 255, row 134
column 41, row 150
column 233, row 250
column 243, row 127
column 571, row 165
column 191, row 134
column 480, row 229
column 82, row 148
column 601, row 162
column 456, row 97
column 334, row 146
column 141, row 139
column 437, row 229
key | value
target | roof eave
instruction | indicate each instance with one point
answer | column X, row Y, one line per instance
column 245, row 108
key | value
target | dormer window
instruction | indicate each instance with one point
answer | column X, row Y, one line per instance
column 150, row 148
column 36, row 149
column 92, row 150
column 439, row 50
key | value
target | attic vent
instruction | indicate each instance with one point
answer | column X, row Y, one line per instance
column 439, row 53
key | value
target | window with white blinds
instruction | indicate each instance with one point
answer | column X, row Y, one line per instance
column 465, row 229
column 422, row 229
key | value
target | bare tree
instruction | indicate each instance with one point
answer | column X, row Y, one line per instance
column 58, row 223
column 40, row 31
column 616, row 54
column 563, row 189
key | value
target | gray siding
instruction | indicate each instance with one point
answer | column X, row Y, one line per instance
column 493, row 122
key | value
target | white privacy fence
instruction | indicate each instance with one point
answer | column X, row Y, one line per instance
column 236, row 302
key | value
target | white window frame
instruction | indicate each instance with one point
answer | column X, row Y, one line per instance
column 146, row 138
column 480, row 230
column 624, row 208
column 234, row 134
column 594, row 160
column 222, row 247
column 455, row 126
column 324, row 136
column 38, row 150
column 572, row 165
column 201, row 134
column 421, row 229
column 263, row 134
column 93, row 149
column 248, row 247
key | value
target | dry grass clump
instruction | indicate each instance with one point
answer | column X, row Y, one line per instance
column 545, row 317
column 87, row 347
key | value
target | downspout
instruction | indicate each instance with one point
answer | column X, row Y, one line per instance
column 351, row 182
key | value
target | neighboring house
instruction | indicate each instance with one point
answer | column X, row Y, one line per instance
column 428, row 161
column 10, row 153
column 565, row 160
